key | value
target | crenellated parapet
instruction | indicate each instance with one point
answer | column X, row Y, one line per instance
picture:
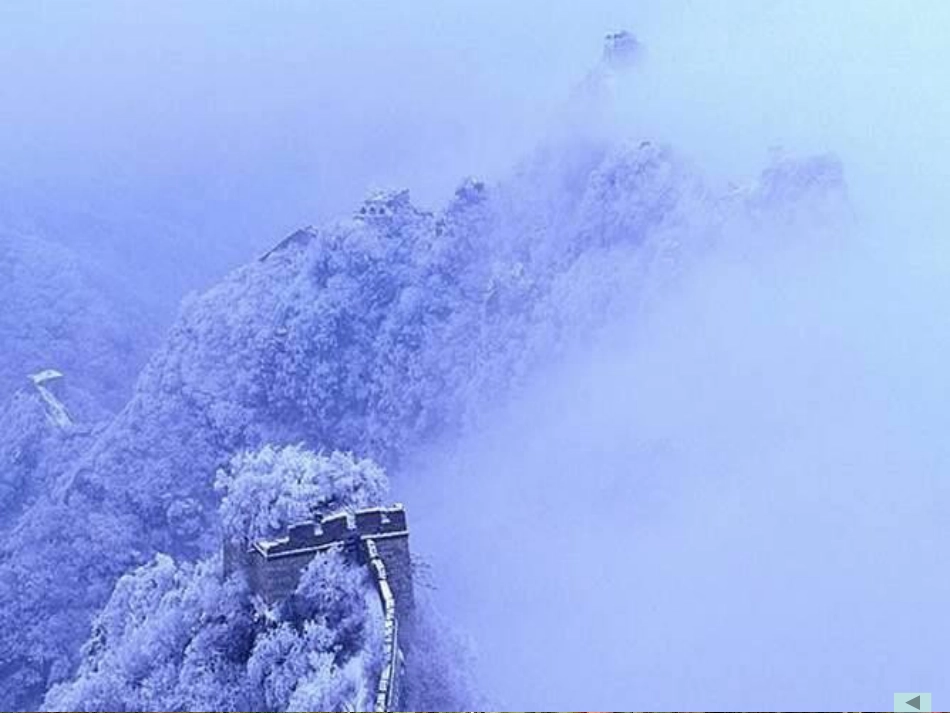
column 376, row 523
column 375, row 537
column 390, row 686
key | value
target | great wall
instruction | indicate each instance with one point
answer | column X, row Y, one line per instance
column 375, row 537
column 378, row 538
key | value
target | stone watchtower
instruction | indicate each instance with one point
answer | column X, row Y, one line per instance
column 385, row 206
column 273, row 567
column 621, row 49
column 377, row 538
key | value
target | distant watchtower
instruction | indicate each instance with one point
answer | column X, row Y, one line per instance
column 56, row 412
column 621, row 49
column 385, row 205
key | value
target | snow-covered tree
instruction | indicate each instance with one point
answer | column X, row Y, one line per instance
column 180, row 637
column 61, row 309
column 171, row 637
column 266, row 490
column 372, row 335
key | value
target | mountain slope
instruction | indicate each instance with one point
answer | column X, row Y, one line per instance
column 373, row 335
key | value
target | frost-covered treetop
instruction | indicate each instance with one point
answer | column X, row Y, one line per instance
column 267, row 490
column 374, row 335
column 179, row 636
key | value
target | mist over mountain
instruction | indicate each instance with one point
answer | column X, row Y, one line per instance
column 372, row 335
column 653, row 377
column 62, row 310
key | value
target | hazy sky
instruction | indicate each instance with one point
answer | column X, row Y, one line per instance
column 787, row 541
column 741, row 502
column 230, row 124
column 180, row 139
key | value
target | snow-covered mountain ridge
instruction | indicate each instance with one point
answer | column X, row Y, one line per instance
column 372, row 334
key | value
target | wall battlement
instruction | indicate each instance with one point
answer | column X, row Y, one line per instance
column 375, row 537
column 389, row 688
column 336, row 529
column 273, row 566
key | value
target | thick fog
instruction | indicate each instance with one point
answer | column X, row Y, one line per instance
column 736, row 497
column 177, row 139
column 738, row 503
column 186, row 138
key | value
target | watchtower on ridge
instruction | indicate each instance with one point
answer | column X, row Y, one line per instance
column 274, row 566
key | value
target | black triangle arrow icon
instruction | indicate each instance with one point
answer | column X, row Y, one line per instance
column 914, row 702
